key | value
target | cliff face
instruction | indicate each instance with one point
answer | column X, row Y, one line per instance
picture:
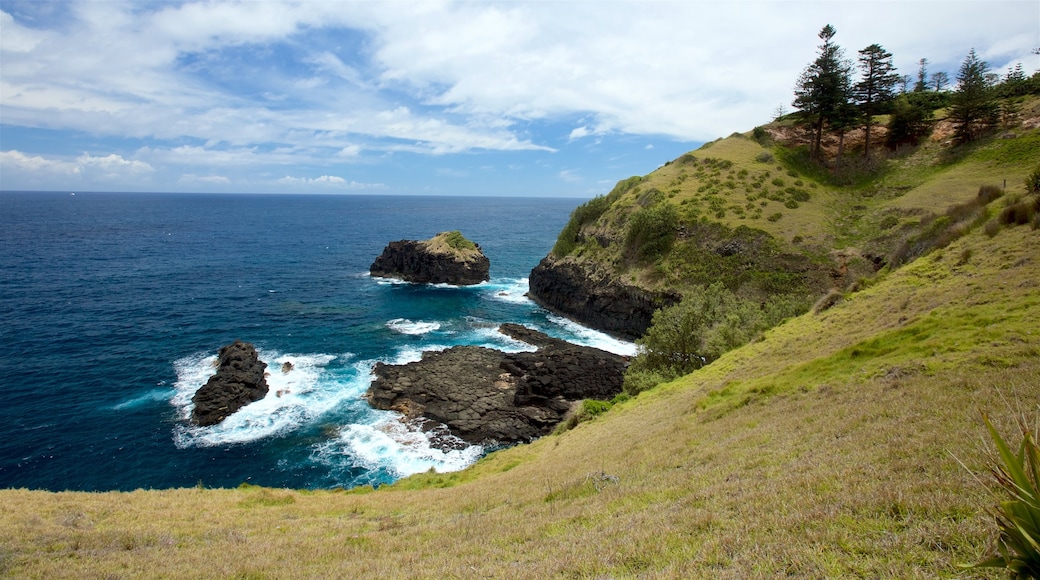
column 582, row 293
column 448, row 258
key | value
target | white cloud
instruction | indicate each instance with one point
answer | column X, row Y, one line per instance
column 578, row 133
column 191, row 178
column 327, row 181
column 14, row 160
column 309, row 84
column 112, row 164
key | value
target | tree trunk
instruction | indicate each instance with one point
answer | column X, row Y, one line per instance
column 866, row 137
column 817, row 146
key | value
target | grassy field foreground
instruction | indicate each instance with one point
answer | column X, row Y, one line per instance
column 830, row 447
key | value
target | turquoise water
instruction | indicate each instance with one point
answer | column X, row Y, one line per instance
column 113, row 307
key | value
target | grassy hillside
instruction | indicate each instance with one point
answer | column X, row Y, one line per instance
column 830, row 447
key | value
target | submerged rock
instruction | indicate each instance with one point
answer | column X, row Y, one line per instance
column 447, row 258
column 488, row 396
column 239, row 380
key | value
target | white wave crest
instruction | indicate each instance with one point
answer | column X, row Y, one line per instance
column 512, row 290
column 594, row 338
column 399, row 448
column 405, row 326
column 296, row 395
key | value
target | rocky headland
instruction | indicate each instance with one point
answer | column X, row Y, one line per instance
column 582, row 293
column 488, row 396
column 238, row 381
column 447, row 258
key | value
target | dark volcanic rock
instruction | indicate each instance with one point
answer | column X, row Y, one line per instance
column 239, row 380
column 594, row 299
column 432, row 262
column 485, row 395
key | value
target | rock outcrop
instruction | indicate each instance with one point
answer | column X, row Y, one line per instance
column 447, row 258
column 488, row 396
column 239, row 380
column 579, row 292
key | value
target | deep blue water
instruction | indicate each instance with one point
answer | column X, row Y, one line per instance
column 112, row 308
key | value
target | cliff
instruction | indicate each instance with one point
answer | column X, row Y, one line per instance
column 447, row 258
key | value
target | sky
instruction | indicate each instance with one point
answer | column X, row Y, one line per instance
column 558, row 99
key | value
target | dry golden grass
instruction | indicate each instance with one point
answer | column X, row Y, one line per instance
column 829, row 448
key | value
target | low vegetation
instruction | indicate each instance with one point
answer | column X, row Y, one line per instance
column 455, row 243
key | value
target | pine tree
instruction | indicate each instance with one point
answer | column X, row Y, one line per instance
column 822, row 88
column 939, row 81
column 973, row 106
column 922, row 76
column 877, row 86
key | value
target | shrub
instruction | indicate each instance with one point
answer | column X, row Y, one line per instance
column 888, row 222
column 1021, row 213
column 764, row 157
column 988, row 193
column 1017, row 475
column 708, row 322
column 1033, row 181
column 457, row 241
column 651, row 231
column 800, row 195
column 827, row 301
column 775, row 217
column 791, row 204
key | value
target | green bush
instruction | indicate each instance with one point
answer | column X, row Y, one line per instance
column 707, row 323
column 1033, row 181
column 651, row 231
column 457, row 241
column 1017, row 475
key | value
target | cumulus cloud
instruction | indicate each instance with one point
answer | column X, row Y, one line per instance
column 15, row 160
column 112, row 164
column 327, row 181
column 578, row 133
column 191, row 178
column 310, row 83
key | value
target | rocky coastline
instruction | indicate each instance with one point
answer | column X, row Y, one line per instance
column 487, row 396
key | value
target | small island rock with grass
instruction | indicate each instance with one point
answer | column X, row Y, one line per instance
column 447, row 258
column 489, row 396
column 239, row 380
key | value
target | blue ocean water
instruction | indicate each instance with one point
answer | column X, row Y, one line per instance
column 113, row 306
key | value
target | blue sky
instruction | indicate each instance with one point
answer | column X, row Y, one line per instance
column 467, row 98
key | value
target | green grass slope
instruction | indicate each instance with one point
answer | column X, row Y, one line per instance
column 838, row 444
column 830, row 447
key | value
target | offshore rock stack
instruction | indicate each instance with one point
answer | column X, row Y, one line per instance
column 239, row 380
column 447, row 258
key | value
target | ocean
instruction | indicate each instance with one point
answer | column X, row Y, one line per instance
column 113, row 307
